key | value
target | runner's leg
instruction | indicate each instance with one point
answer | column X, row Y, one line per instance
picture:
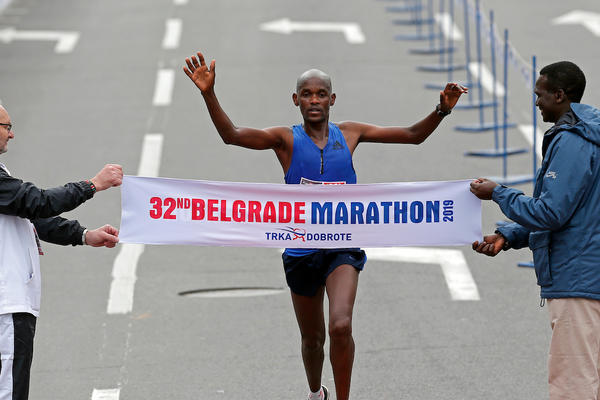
column 341, row 287
column 311, row 321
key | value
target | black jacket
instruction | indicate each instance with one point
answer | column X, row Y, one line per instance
column 42, row 207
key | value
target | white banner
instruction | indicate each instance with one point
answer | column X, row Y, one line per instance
column 177, row 211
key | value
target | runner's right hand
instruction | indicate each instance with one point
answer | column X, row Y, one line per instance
column 199, row 73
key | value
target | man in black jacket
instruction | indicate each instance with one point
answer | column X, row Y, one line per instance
column 28, row 214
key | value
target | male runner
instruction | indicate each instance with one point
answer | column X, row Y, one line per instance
column 318, row 151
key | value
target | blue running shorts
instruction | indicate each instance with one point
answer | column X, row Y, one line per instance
column 306, row 274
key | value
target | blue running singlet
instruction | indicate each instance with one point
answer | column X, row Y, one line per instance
column 309, row 163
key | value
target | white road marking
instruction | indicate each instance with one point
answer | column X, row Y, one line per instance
column 120, row 298
column 449, row 28
column 65, row 41
column 588, row 19
column 106, row 394
column 527, row 131
column 454, row 266
column 487, row 79
column 151, row 153
column 180, row 2
column 4, row 4
column 172, row 33
column 351, row 30
column 163, row 90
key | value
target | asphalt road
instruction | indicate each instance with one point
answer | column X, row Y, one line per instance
column 76, row 111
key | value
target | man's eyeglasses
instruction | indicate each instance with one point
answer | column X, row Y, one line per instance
column 8, row 126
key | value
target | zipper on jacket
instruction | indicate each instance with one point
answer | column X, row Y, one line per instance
column 321, row 161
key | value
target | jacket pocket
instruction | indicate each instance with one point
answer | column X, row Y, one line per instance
column 33, row 260
column 539, row 243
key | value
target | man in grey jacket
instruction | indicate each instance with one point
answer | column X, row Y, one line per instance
column 28, row 214
column 561, row 225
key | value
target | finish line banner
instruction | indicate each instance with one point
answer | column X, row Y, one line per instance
column 205, row 213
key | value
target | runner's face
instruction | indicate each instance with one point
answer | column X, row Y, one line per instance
column 314, row 98
column 5, row 135
column 546, row 100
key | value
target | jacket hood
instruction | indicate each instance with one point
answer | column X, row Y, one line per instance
column 588, row 125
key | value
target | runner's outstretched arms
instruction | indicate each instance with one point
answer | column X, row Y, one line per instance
column 279, row 138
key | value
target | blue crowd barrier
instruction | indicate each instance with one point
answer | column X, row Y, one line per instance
column 432, row 48
column 475, row 86
column 445, row 64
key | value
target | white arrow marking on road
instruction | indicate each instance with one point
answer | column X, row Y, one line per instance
column 351, row 30
column 454, row 266
column 588, row 19
column 65, row 41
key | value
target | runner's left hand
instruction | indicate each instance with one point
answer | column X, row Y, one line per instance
column 450, row 95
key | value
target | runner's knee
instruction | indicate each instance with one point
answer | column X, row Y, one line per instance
column 313, row 342
column 340, row 327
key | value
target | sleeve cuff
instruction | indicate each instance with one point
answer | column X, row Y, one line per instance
column 497, row 192
column 508, row 234
column 79, row 235
column 507, row 242
column 88, row 189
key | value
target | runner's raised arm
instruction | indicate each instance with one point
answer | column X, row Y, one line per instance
column 357, row 132
column 257, row 139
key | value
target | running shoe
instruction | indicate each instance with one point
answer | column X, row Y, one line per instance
column 325, row 392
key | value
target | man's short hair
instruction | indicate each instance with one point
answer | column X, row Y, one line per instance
column 567, row 76
column 313, row 73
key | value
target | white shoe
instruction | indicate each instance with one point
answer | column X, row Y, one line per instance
column 325, row 392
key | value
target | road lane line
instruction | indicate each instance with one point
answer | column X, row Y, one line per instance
column 527, row 131
column 487, row 79
column 163, row 90
column 172, row 33
column 106, row 394
column 454, row 266
column 120, row 298
column 151, row 153
column 449, row 28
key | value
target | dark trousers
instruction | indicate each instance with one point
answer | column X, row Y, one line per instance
column 16, row 354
